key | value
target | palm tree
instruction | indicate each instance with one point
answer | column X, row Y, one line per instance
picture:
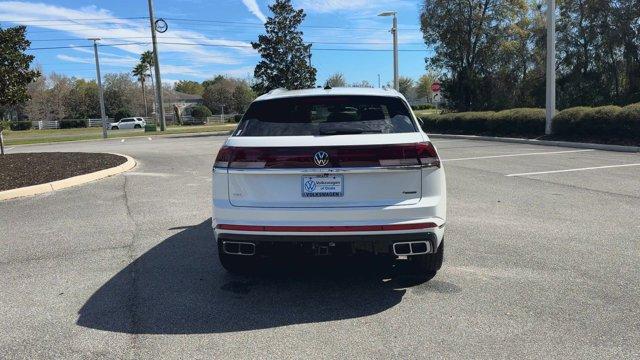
column 147, row 59
column 140, row 71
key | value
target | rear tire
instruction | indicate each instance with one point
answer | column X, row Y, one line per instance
column 236, row 264
column 114, row 128
column 428, row 264
column 137, row 126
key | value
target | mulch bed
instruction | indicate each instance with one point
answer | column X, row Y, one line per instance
column 20, row 170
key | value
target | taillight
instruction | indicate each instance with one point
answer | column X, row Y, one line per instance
column 423, row 154
column 414, row 154
column 224, row 156
column 428, row 155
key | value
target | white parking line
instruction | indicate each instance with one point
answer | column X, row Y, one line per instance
column 524, row 154
column 570, row 170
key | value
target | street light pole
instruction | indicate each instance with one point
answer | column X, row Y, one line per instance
column 100, row 92
column 551, row 66
column 394, row 31
column 156, row 66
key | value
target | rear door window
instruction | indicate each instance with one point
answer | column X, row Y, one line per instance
column 326, row 115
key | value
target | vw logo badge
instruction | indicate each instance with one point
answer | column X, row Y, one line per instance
column 321, row 158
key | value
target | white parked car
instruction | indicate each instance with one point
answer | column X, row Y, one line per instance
column 329, row 171
column 128, row 123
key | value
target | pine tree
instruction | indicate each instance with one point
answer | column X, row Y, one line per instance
column 284, row 54
column 15, row 71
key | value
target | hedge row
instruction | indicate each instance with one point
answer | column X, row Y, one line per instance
column 514, row 122
column 603, row 124
column 423, row 107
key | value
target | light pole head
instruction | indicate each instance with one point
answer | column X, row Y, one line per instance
column 387, row 13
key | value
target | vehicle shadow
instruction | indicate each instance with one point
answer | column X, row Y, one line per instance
column 178, row 287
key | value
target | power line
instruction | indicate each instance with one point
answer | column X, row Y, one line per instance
column 205, row 39
column 246, row 23
column 206, row 21
column 218, row 45
column 85, row 46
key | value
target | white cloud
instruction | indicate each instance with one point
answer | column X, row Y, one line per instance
column 326, row 6
column 116, row 61
column 253, row 7
column 132, row 36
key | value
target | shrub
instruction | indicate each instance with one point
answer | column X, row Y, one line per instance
column 20, row 125
column 200, row 112
column 565, row 121
column 629, row 121
column 423, row 107
column 237, row 118
column 517, row 122
column 603, row 123
column 611, row 124
column 71, row 124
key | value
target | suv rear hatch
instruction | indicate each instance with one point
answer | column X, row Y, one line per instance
column 326, row 152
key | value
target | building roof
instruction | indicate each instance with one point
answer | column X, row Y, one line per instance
column 284, row 93
column 171, row 96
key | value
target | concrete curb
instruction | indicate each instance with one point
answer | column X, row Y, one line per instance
column 621, row 148
column 69, row 182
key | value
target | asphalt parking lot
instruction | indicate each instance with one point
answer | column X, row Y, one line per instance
column 542, row 261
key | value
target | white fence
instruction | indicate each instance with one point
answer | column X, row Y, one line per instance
column 55, row 124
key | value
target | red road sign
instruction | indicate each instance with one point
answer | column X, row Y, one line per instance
column 435, row 87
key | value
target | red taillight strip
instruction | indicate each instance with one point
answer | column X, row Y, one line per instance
column 415, row 226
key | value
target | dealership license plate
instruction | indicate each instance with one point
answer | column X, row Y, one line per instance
column 323, row 186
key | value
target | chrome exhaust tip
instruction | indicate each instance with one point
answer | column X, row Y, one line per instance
column 411, row 248
column 239, row 248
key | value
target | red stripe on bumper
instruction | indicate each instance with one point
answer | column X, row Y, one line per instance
column 327, row 228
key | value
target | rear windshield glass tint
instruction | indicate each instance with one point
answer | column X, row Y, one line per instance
column 326, row 115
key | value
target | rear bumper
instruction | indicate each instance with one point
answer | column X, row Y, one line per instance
column 381, row 244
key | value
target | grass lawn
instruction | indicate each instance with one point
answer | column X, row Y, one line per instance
column 58, row 135
column 425, row 112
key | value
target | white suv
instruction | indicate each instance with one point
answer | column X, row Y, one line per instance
column 329, row 172
column 128, row 123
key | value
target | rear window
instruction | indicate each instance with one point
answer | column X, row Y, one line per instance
column 326, row 115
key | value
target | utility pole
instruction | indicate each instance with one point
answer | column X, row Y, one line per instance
column 100, row 92
column 379, row 80
column 394, row 31
column 156, row 66
column 551, row 65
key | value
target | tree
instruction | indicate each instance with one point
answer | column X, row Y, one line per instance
column 140, row 72
column 219, row 94
column 213, row 81
column 336, row 80
column 189, row 87
column 467, row 37
column 146, row 58
column 284, row 55
column 15, row 66
column 423, row 86
column 242, row 96
column 83, row 100
column 119, row 90
column 200, row 112
column 362, row 84
column 405, row 86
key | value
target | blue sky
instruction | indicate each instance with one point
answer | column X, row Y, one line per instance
column 206, row 38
